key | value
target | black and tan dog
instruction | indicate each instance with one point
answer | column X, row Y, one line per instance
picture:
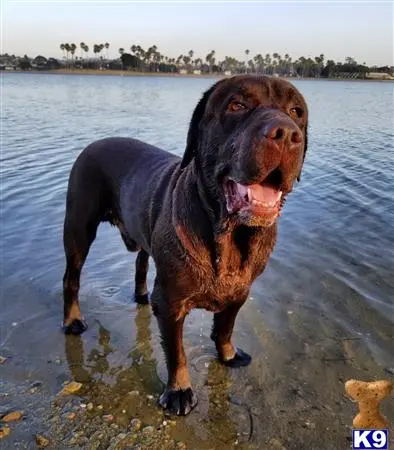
column 207, row 220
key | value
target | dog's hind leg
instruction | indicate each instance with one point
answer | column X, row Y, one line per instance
column 84, row 211
column 78, row 238
column 141, row 270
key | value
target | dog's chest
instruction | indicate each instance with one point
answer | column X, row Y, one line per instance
column 227, row 286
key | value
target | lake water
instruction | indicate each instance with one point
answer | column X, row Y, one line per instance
column 321, row 313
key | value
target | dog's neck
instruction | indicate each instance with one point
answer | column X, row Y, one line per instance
column 203, row 225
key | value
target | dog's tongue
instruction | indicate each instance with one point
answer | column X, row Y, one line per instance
column 264, row 194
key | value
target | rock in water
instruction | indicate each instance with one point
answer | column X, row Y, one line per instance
column 12, row 416
column 41, row 440
column 4, row 432
column 71, row 388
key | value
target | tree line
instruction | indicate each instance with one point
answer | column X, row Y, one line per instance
column 152, row 60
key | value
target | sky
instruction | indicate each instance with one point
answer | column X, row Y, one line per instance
column 360, row 29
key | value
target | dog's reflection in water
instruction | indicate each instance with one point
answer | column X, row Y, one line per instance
column 96, row 371
column 119, row 389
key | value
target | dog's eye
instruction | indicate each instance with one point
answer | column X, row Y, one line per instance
column 235, row 106
column 296, row 112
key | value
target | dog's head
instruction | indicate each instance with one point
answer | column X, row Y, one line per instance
column 248, row 137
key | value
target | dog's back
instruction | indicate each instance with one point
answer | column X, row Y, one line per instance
column 98, row 174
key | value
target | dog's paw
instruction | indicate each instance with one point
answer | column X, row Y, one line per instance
column 179, row 402
column 141, row 299
column 240, row 359
column 75, row 327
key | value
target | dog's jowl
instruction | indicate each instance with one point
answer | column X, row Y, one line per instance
column 210, row 217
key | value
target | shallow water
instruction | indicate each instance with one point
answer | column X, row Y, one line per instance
column 320, row 314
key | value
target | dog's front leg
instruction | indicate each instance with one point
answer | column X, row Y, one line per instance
column 223, row 324
column 178, row 396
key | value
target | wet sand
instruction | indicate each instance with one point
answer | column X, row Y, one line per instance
column 291, row 396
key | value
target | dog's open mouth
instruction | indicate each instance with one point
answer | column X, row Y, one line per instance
column 261, row 200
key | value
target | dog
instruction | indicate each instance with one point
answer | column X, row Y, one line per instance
column 208, row 219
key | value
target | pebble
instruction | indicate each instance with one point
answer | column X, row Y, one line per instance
column 116, row 440
column 71, row 416
column 89, row 406
column 114, row 426
column 35, row 387
column 108, row 418
column 255, row 411
column 3, row 359
column 181, row 445
column 135, row 424
column 149, row 397
column 4, row 432
column 148, row 431
column 276, row 444
column 41, row 440
column 172, row 423
column 71, row 388
column 134, row 393
column 14, row 415
column 100, row 407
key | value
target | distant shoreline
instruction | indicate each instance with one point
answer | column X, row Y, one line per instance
column 128, row 73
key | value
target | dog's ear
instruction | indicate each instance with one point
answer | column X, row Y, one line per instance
column 305, row 149
column 194, row 127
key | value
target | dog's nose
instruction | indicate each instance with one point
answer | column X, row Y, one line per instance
column 281, row 132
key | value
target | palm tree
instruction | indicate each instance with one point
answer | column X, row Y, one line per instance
column 121, row 51
column 287, row 64
column 149, row 54
column 106, row 45
column 198, row 63
column 267, row 62
column 259, row 63
column 96, row 50
column 186, row 61
column 63, row 48
column 73, row 47
column 280, row 65
column 157, row 57
column 247, row 51
column 68, row 49
column 86, row 50
column 210, row 59
column 82, row 47
column 275, row 60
